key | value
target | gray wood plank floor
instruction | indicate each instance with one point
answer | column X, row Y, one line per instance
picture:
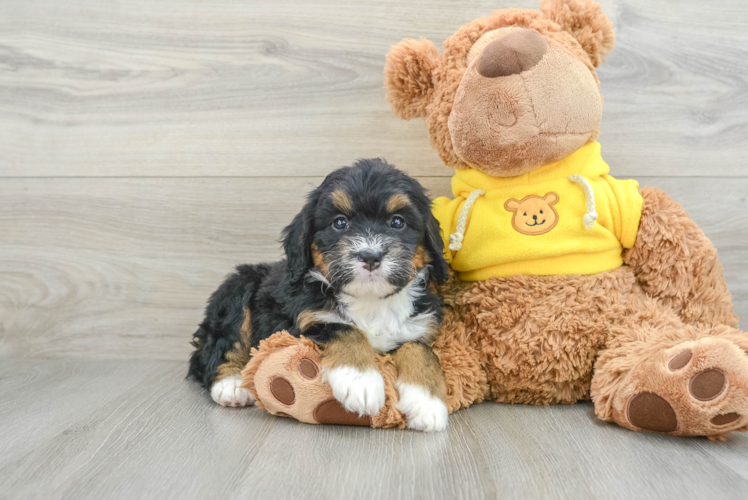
column 137, row 429
column 148, row 147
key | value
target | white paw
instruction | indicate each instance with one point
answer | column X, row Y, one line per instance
column 227, row 392
column 423, row 411
column 359, row 391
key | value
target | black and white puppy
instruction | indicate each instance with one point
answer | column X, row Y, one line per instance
column 362, row 262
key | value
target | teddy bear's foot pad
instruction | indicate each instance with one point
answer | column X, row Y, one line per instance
column 650, row 412
column 701, row 388
column 332, row 412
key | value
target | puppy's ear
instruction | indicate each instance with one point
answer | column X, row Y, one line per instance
column 297, row 243
column 432, row 241
column 408, row 77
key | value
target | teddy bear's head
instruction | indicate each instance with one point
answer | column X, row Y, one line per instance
column 512, row 91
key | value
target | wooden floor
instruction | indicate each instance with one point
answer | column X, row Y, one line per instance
column 135, row 429
column 147, row 147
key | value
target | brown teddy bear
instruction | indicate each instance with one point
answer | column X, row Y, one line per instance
column 567, row 283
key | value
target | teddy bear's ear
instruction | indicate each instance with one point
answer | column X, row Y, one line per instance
column 585, row 21
column 408, row 77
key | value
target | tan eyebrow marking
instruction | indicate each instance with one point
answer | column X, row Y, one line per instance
column 341, row 200
column 397, row 201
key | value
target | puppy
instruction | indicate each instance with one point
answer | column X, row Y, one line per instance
column 362, row 262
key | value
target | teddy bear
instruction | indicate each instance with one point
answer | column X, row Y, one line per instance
column 566, row 284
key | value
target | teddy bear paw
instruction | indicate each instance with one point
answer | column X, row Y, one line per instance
column 289, row 383
column 697, row 388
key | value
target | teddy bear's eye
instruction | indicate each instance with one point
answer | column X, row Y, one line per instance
column 541, row 211
column 525, row 214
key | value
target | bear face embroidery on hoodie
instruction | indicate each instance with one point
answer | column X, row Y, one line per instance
column 534, row 215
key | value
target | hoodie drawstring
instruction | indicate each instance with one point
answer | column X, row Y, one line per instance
column 455, row 239
column 591, row 216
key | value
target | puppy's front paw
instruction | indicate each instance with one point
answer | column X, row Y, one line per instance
column 422, row 411
column 358, row 391
column 228, row 392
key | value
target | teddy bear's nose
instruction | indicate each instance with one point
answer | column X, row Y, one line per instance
column 512, row 54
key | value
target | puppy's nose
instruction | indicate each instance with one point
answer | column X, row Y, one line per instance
column 535, row 217
column 371, row 259
column 512, row 54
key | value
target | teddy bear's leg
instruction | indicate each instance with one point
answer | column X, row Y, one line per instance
column 674, row 261
column 285, row 375
column 661, row 375
column 459, row 353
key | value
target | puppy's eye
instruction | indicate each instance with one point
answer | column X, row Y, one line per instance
column 340, row 223
column 525, row 214
column 541, row 211
column 397, row 222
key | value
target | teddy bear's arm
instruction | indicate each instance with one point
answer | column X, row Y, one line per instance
column 674, row 261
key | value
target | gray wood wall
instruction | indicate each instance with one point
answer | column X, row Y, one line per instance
column 148, row 147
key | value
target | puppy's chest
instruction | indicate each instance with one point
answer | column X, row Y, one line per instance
column 389, row 323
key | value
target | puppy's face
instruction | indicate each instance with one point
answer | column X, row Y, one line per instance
column 367, row 240
column 367, row 230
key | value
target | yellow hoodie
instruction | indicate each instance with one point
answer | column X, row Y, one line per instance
column 569, row 217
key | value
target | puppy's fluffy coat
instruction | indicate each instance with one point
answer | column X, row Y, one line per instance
column 362, row 261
